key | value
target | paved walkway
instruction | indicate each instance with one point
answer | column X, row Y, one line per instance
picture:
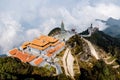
column 70, row 61
column 64, row 61
column 92, row 49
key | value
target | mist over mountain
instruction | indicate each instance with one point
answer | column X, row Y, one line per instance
column 113, row 28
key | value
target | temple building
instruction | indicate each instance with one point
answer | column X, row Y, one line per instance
column 38, row 50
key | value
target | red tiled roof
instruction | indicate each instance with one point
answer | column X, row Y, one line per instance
column 25, row 57
column 13, row 51
column 38, row 61
column 22, row 56
column 39, row 42
column 50, row 52
column 54, row 44
column 31, row 58
column 25, row 44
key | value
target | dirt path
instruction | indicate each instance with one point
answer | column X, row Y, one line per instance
column 116, row 66
column 110, row 62
column 106, row 60
column 92, row 49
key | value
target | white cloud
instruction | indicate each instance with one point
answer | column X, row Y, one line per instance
column 109, row 10
column 24, row 20
column 32, row 33
column 9, row 29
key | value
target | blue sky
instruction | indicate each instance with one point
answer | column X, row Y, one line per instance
column 22, row 20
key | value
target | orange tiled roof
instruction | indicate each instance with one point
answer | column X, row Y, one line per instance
column 25, row 57
column 25, row 44
column 39, row 48
column 48, row 38
column 42, row 37
column 54, row 44
column 31, row 58
column 39, row 42
column 23, row 47
column 22, row 56
column 38, row 61
column 59, row 46
column 52, row 39
column 36, row 47
column 50, row 52
column 13, row 51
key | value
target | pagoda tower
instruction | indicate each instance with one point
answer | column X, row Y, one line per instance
column 62, row 27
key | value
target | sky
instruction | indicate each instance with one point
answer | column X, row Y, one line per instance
column 23, row 20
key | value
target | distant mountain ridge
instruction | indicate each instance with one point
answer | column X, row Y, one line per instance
column 113, row 27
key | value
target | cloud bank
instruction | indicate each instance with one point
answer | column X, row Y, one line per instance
column 25, row 20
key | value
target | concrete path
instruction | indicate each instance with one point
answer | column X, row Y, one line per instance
column 64, row 61
column 70, row 61
column 92, row 49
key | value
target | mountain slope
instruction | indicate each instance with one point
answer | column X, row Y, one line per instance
column 14, row 69
column 90, row 67
column 106, row 42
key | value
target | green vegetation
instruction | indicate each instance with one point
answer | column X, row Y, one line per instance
column 85, row 32
column 75, row 43
column 107, row 43
column 13, row 68
column 104, row 41
column 110, row 59
column 100, row 71
column 93, row 69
